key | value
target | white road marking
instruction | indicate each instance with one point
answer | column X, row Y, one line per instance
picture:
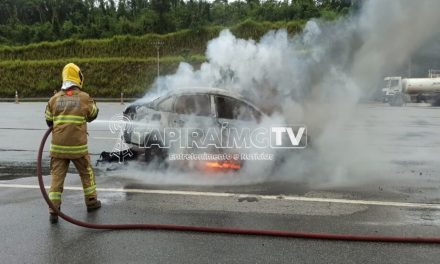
column 106, row 138
column 236, row 195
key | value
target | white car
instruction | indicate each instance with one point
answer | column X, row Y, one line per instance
column 199, row 109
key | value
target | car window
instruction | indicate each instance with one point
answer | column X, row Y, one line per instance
column 251, row 114
column 166, row 105
column 130, row 111
column 225, row 107
column 198, row 104
column 230, row 108
column 394, row 83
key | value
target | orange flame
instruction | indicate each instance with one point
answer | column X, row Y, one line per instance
column 223, row 166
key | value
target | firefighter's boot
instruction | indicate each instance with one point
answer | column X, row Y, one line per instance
column 94, row 206
column 53, row 218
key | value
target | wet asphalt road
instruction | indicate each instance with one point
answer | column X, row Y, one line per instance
column 409, row 137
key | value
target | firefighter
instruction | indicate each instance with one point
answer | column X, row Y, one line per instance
column 68, row 111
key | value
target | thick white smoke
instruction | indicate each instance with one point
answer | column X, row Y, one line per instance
column 318, row 77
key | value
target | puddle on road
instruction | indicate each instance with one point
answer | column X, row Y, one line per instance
column 422, row 216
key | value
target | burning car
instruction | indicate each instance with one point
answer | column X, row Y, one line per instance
column 190, row 121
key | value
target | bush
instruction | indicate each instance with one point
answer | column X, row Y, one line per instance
column 113, row 65
column 118, row 46
column 194, row 41
column 103, row 77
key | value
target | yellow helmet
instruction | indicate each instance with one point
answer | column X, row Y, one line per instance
column 72, row 76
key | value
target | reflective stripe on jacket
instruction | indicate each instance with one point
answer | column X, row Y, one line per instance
column 69, row 111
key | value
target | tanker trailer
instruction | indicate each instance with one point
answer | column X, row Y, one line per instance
column 400, row 90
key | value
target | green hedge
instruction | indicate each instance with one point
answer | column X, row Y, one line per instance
column 106, row 77
column 182, row 43
column 111, row 66
column 119, row 46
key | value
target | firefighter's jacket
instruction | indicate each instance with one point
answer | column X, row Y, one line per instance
column 69, row 111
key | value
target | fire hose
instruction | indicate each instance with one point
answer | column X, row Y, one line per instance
column 218, row 230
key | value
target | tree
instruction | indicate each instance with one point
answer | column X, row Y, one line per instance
column 26, row 21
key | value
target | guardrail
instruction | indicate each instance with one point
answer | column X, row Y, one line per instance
column 45, row 99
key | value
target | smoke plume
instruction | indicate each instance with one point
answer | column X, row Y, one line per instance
column 317, row 78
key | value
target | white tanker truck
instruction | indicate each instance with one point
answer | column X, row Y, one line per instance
column 400, row 90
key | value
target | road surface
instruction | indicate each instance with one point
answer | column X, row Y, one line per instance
column 403, row 200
